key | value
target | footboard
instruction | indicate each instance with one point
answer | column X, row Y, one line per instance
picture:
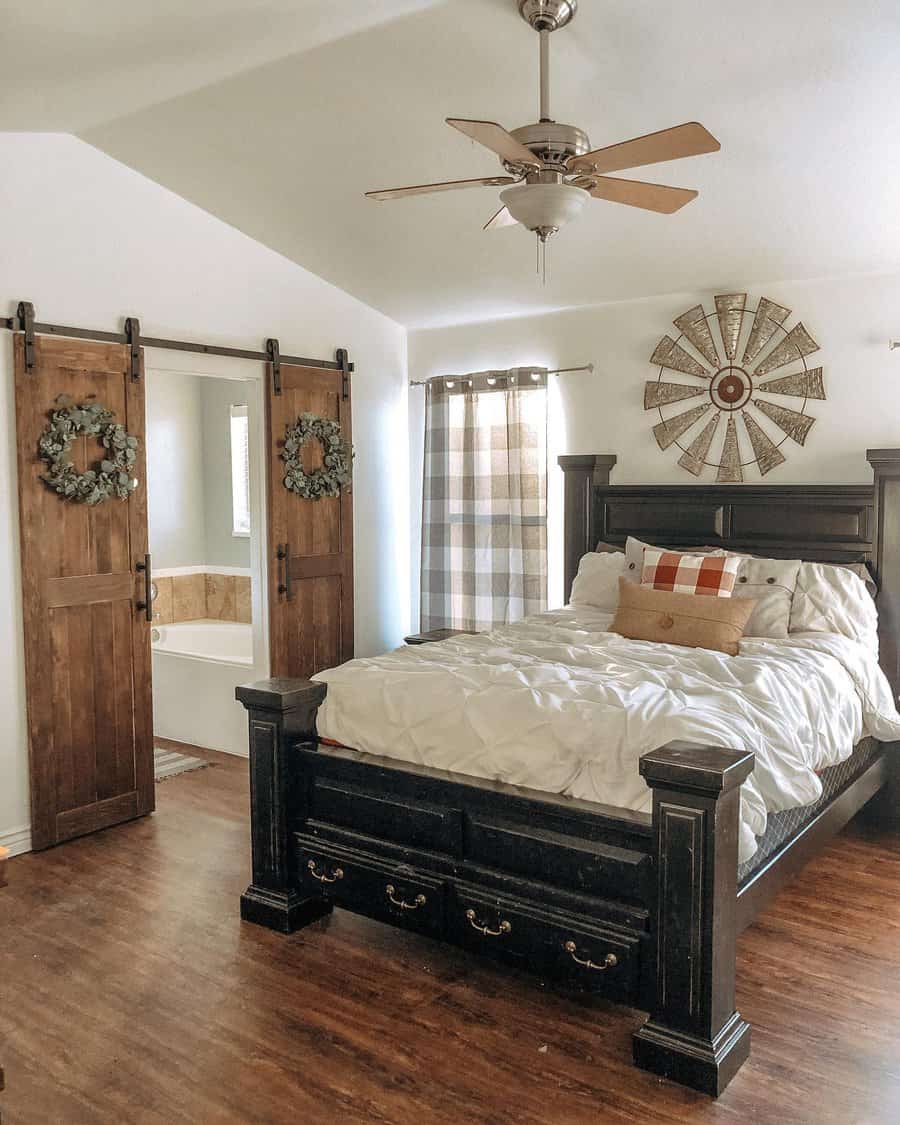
column 635, row 908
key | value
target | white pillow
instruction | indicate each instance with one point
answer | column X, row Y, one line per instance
column 597, row 580
column 634, row 555
column 771, row 583
column 832, row 599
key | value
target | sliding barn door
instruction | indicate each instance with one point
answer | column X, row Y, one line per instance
column 87, row 642
column 310, row 541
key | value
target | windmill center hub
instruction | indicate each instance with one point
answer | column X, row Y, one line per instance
column 731, row 388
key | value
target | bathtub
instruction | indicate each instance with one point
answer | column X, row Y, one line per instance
column 229, row 641
column 196, row 667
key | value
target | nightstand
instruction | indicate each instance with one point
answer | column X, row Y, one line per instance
column 437, row 635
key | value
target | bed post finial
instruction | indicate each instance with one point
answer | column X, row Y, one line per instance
column 583, row 471
column 281, row 713
column 694, row 1034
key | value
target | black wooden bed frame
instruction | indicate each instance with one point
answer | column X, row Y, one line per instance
column 642, row 909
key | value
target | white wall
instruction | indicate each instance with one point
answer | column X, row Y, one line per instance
column 90, row 241
column 851, row 319
column 222, row 548
column 175, row 476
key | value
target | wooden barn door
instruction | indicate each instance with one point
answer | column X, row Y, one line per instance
column 87, row 640
column 310, row 541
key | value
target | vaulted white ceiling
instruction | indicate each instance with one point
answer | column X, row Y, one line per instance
column 277, row 116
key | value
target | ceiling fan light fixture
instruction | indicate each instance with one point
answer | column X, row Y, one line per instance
column 544, row 207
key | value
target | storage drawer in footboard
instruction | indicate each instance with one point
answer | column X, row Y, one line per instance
column 419, row 824
column 390, row 892
column 559, row 859
column 549, row 944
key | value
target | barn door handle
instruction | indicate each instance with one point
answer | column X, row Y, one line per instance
column 147, row 604
column 284, row 555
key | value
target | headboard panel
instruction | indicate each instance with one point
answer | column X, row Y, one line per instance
column 824, row 523
column 819, row 523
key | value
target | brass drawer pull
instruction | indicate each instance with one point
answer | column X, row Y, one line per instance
column 504, row 927
column 418, row 901
column 326, row 878
column 609, row 961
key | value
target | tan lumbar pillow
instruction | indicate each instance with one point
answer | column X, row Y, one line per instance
column 645, row 614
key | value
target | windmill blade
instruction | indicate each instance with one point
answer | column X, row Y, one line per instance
column 658, row 393
column 497, row 139
column 501, row 218
column 694, row 457
column 449, row 185
column 671, row 430
column 690, row 139
column 635, row 193
column 730, row 471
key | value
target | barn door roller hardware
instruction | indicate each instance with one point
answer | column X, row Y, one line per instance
column 24, row 321
column 25, row 317
column 346, row 367
column 133, row 338
column 273, row 352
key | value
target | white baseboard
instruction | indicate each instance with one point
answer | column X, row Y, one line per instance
column 17, row 840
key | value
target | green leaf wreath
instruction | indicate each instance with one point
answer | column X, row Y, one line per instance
column 115, row 475
column 335, row 473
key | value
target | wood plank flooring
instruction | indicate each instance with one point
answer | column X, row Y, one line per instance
column 131, row 993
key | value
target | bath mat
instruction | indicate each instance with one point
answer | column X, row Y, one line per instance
column 168, row 763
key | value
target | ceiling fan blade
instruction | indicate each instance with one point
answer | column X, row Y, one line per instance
column 501, row 218
column 449, row 185
column 690, row 139
column 635, row 193
column 497, row 139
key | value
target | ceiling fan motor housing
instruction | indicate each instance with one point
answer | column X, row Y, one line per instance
column 553, row 143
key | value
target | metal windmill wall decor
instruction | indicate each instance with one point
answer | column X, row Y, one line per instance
column 737, row 391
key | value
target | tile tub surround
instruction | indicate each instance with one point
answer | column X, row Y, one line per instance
column 202, row 594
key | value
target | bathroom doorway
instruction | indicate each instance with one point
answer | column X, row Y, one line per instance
column 204, row 512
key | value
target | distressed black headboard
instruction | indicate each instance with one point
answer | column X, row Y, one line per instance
column 821, row 523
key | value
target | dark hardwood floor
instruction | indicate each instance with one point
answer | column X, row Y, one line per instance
column 131, row 993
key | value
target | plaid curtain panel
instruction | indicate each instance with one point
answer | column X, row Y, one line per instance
column 484, row 517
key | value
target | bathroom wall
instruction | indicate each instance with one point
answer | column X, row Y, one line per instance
column 222, row 548
column 189, row 492
column 175, row 476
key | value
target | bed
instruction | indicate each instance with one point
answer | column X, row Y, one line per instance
column 641, row 905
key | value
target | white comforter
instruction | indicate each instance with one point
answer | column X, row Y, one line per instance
column 558, row 704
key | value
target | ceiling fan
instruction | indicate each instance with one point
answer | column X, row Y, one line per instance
column 552, row 169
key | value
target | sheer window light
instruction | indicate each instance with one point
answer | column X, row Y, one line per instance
column 240, row 471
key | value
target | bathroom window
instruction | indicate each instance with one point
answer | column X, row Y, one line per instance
column 240, row 471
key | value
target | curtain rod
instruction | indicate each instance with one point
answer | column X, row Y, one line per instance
column 507, row 372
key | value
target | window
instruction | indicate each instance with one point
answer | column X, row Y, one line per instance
column 240, row 471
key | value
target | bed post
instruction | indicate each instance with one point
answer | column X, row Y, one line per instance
column 583, row 471
column 694, row 1035
column 281, row 712
column 885, row 808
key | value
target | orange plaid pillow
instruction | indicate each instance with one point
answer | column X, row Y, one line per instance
column 690, row 574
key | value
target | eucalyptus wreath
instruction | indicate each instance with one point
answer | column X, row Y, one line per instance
column 115, row 475
column 334, row 475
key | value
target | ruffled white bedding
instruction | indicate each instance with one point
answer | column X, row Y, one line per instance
column 557, row 703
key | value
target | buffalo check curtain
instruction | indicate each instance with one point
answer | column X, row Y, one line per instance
column 484, row 518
